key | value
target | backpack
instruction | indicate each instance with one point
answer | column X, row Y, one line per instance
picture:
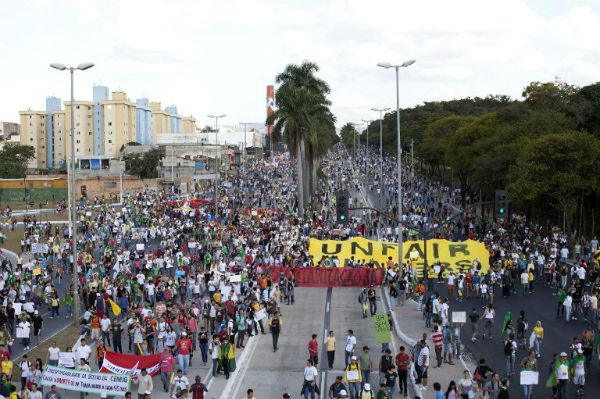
column 363, row 391
column 508, row 348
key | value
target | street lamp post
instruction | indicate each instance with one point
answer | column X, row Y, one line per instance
column 245, row 130
column 73, row 224
column 367, row 123
column 216, row 118
column 381, row 111
column 387, row 65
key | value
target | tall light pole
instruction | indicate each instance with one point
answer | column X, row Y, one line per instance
column 216, row 118
column 381, row 111
column 366, row 122
column 73, row 224
column 387, row 65
column 245, row 129
column 354, row 138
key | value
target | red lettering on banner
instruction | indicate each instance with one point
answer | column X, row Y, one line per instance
column 331, row 276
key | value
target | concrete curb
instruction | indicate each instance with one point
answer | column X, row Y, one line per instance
column 403, row 337
column 235, row 380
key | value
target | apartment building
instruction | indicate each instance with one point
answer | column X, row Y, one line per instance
column 119, row 123
column 33, row 133
column 102, row 126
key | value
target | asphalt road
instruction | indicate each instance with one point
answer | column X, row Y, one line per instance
column 541, row 305
column 51, row 326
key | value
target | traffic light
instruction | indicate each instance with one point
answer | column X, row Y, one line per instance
column 341, row 206
column 501, row 204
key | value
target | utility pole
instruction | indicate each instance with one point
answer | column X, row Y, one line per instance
column 245, row 130
column 216, row 118
column 73, row 188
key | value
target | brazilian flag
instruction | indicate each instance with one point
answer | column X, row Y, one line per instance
column 227, row 353
column 552, row 381
column 507, row 319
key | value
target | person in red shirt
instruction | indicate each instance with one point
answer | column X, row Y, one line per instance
column 167, row 362
column 313, row 350
column 184, row 348
column 437, row 339
column 198, row 388
column 402, row 363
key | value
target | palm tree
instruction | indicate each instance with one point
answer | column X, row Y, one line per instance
column 304, row 120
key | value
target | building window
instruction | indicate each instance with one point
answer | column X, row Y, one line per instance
column 77, row 107
column 109, row 141
column 109, row 123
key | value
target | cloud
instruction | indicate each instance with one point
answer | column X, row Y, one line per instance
column 208, row 56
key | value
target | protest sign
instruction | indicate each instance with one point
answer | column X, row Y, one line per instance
column 261, row 314
column 66, row 359
column 459, row 317
column 455, row 256
column 529, row 377
column 86, row 381
column 22, row 332
column 17, row 306
column 39, row 248
column 382, row 328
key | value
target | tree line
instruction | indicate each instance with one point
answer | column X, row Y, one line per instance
column 544, row 149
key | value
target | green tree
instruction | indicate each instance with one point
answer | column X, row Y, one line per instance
column 462, row 150
column 589, row 98
column 347, row 134
column 435, row 139
column 557, row 168
column 143, row 165
column 304, row 121
column 14, row 158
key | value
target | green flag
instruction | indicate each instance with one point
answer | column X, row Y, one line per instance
column 506, row 323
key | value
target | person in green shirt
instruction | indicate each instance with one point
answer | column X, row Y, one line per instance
column 69, row 304
column 383, row 392
column 560, row 296
column 366, row 364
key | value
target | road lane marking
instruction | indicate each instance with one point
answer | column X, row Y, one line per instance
column 236, row 378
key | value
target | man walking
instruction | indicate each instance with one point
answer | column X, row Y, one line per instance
column 313, row 350
column 402, row 363
column 276, row 325
column 372, row 301
column 366, row 365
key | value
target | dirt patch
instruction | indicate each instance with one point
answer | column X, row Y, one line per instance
column 13, row 239
column 63, row 339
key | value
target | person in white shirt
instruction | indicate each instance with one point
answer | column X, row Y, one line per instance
column 310, row 376
column 53, row 353
column 105, row 329
column 562, row 376
column 83, row 351
column 422, row 364
column 35, row 393
column 25, row 327
column 180, row 381
column 350, row 346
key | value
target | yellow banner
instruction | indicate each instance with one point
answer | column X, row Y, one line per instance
column 455, row 256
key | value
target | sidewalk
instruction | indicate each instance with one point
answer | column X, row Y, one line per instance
column 410, row 327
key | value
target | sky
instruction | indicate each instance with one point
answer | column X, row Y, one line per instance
column 210, row 57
